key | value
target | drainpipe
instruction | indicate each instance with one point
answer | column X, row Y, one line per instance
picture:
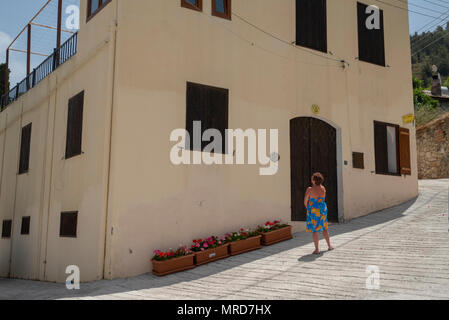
column 107, row 259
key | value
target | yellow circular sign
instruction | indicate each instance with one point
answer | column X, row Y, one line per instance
column 315, row 109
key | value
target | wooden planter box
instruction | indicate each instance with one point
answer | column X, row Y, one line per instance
column 246, row 245
column 276, row 236
column 163, row 268
column 211, row 255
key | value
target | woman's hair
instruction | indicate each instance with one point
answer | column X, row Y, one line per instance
column 318, row 178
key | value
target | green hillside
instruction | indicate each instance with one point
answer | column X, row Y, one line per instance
column 431, row 48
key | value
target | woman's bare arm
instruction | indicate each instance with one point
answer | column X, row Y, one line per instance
column 307, row 196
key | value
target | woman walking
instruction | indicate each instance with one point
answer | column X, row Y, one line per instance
column 315, row 203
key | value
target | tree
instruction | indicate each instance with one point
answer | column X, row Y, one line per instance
column 422, row 100
column 2, row 78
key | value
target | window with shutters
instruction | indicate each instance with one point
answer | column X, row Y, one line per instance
column 68, row 226
column 311, row 24
column 74, row 126
column 371, row 41
column 386, row 141
column 25, row 143
column 208, row 105
column 192, row 4
column 95, row 6
column 222, row 9
column 6, row 229
column 25, row 228
column 358, row 160
column 392, row 149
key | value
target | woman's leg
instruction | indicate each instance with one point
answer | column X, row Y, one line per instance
column 316, row 241
column 328, row 240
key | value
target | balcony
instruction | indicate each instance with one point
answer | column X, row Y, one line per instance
column 51, row 63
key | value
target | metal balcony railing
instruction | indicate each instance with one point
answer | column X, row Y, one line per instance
column 53, row 61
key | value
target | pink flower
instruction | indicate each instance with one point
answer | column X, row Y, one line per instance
column 197, row 245
column 202, row 249
column 206, row 245
column 156, row 252
column 219, row 242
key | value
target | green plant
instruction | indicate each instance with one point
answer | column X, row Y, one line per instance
column 420, row 99
column 271, row 226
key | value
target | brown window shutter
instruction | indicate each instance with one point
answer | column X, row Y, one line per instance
column 371, row 42
column 74, row 126
column 404, row 151
column 25, row 229
column 380, row 147
column 207, row 104
column 311, row 24
column 6, row 229
column 24, row 161
column 68, row 224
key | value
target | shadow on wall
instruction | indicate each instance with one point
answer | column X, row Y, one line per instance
column 39, row 290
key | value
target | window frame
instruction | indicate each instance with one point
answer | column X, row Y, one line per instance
column 198, row 7
column 228, row 6
column 90, row 15
column 398, row 156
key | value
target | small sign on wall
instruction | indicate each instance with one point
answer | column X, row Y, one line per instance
column 409, row 118
column 315, row 109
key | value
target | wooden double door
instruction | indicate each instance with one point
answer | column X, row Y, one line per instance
column 313, row 148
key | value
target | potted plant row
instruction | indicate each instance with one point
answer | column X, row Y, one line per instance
column 274, row 232
column 216, row 248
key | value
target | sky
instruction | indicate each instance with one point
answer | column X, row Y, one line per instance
column 14, row 15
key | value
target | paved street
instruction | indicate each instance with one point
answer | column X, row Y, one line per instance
column 409, row 244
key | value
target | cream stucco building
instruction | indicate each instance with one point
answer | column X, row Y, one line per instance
column 336, row 98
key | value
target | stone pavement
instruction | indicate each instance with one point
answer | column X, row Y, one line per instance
column 409, row 244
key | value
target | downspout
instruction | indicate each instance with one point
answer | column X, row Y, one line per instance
column 107, row 259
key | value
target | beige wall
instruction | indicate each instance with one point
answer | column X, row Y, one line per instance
column 53, row 184
column 125, row 184
column 154, row 204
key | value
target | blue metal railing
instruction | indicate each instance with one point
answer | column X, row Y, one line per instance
column 53, row 61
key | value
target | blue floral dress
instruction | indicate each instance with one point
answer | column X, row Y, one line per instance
column 316, row 215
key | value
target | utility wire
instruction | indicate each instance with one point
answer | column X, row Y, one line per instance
column 286, row 42
column 444, row 36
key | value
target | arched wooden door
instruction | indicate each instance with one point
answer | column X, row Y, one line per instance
column 313, row 148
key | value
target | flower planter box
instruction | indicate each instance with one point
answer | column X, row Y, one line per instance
column 211, row 255
column 279, row 235
column 246, row 245
column 163, row 268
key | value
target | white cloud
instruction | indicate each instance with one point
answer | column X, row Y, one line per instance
column 5, row 40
